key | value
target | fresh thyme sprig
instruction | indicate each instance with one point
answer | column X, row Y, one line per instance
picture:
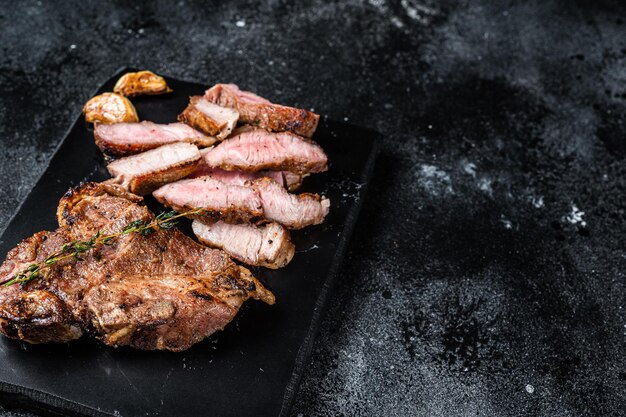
column 166, row 220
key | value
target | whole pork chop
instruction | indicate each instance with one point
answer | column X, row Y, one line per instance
column 161, row 291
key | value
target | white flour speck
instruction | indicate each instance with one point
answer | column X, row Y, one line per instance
column 418, row 12
column 576, row 216
column 240, row 23
column 434, row 180
column 397, row 22
column 537, row 201
column 469, row 168
column 508, row 224
column 484, row 184
column 530, row 389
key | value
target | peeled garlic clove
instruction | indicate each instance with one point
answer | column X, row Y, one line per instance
column 110, row 108
column 142, row 82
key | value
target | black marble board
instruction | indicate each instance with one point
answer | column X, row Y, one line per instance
column 251, row 368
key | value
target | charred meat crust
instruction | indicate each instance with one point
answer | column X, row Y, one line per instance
column 260, row 112
column 74, row 195
column 38, row 317
column 140, row 291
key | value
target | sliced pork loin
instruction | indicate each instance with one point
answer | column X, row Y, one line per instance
column 228, row 202
column 289, row 180
column 269, row 246
column 291, row 210
column 258, row 111
column 254, row 149
column 120, row 139
column 209, row 117
column 147, row 171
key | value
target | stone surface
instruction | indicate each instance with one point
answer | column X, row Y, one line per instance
column 486, row 274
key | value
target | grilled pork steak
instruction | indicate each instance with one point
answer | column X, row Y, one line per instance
column 221, row 201
column 120, row 139
column 258, row 111
column 161, row 291
column 269, row 246
column 287, row 179
column 147, row 171
column 254, row 149
column 291, row 210
column 210, row 118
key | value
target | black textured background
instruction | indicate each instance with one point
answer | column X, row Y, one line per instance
column 486, row 274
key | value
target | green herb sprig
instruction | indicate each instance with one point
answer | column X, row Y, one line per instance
column 164, row 221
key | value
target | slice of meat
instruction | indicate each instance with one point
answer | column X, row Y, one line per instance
column 259, row 201
column 258, row 111
column 120, row 139
column 255, row 149
column 208, row 117
column 147, row 171
column 269, row 246
column 161, row 291
column 290, row 210
column 287, row 179
column 229, row 202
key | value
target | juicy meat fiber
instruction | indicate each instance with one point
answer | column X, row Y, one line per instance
column 269, row 246
column 256, row 149
column 221, row 201
column 145, row 172
column 287, row 179
column 161, row 291
column 210, row 118
column 291, row 210
column 120, row 139
column 259, row 201
column 258, row 111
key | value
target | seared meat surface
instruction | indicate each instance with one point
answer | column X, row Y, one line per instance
column 221, row 201
column 269, row 246
column 121, row 139
column 210, row 118
column 143, row 173
column 161, row 291
column 254, row 149
column 258, row 111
